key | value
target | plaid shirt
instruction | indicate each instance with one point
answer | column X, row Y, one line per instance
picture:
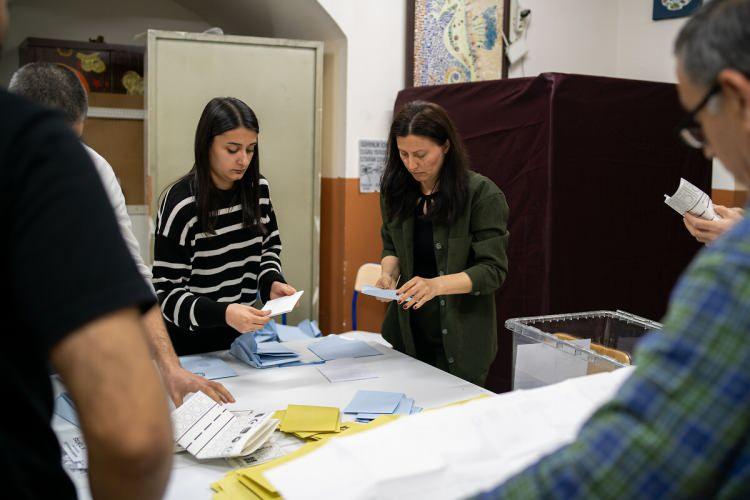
column 680, row 426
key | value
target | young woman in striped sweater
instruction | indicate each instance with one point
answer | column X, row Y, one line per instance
column 217, row 243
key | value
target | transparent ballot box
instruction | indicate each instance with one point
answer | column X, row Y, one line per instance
column 550, row 349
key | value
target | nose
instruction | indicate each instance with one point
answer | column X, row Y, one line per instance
column 243, row 158
column 409, row 163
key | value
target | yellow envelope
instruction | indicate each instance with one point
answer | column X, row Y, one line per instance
column 230, row 488
column 301, row 418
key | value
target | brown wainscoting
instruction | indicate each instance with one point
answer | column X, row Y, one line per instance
column 729, row 198
column 350, row 237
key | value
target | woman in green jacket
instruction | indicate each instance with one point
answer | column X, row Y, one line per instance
column 444, row 246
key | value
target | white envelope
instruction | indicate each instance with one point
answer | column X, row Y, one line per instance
column 282, row 305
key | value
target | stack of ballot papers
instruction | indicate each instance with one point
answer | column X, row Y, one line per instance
column 310, row 423
column 369, row 405
column 262, row 354
column 208, row 430
column 210, row 367
column 334, row 347
column 453, row 452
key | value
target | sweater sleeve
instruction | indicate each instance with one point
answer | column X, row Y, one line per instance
column 172, row 270
column 270, row 259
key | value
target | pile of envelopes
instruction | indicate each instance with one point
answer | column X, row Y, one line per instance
column 369, row 405
column 265, row 348
column 262, row 354
column 311, row 423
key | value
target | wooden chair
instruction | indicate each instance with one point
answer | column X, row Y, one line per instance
column 367, row 274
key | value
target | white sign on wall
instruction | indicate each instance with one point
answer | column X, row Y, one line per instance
column 372, row 154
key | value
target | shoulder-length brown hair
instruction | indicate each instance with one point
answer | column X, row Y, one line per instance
column 400, row 190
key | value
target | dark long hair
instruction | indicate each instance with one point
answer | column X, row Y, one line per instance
column 220, row 115
column 400, row 190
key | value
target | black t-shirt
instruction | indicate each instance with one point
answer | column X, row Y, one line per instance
column 64, row 263
column 425, row 265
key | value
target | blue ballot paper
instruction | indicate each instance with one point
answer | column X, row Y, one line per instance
column 334, row 347
column 274, row 348
column 374, row 402
column 288, row 333
column 273, row 331
column 210, row 367
column 304, row 330
column 64, row 408
column 263, row 355
column 404, row 407
column 269, row 332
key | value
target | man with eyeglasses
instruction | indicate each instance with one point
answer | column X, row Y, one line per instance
column 680, row 425
column 693, row 135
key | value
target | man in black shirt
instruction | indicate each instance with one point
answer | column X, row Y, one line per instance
column 73, row 298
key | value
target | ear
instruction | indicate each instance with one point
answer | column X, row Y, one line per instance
column 737, row 85
column 446, row 146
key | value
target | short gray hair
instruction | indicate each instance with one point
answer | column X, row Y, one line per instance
column 53, row 86
column 716, row 38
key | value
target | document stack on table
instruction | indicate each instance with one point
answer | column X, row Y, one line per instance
column 310, row 423
column 208, row 430
column 262, row 354
column 369, row 405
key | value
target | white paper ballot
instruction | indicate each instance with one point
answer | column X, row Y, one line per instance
column 344, row 370
column 208, row 430
column 74, row 454
column 283, row 305
column 689, row 198
column 381, row 293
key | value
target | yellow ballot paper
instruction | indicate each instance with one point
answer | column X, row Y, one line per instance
column 313, row 419
column 230, row 488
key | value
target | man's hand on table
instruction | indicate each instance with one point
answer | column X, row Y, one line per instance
column 180, row 382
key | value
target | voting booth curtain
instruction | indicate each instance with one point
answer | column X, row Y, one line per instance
column 584, row 163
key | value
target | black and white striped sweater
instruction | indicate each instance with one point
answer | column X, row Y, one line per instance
column 197, row 274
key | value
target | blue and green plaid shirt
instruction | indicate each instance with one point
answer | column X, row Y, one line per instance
column 680, row 426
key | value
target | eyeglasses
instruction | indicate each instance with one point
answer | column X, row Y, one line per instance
column 689, row 130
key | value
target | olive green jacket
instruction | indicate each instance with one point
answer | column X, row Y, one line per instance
column 475, row 244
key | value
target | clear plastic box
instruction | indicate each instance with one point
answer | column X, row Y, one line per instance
column 550, row 349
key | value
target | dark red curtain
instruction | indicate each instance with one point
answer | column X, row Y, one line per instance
column 584, row 163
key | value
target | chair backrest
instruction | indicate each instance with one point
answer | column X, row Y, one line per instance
column 368, row 274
